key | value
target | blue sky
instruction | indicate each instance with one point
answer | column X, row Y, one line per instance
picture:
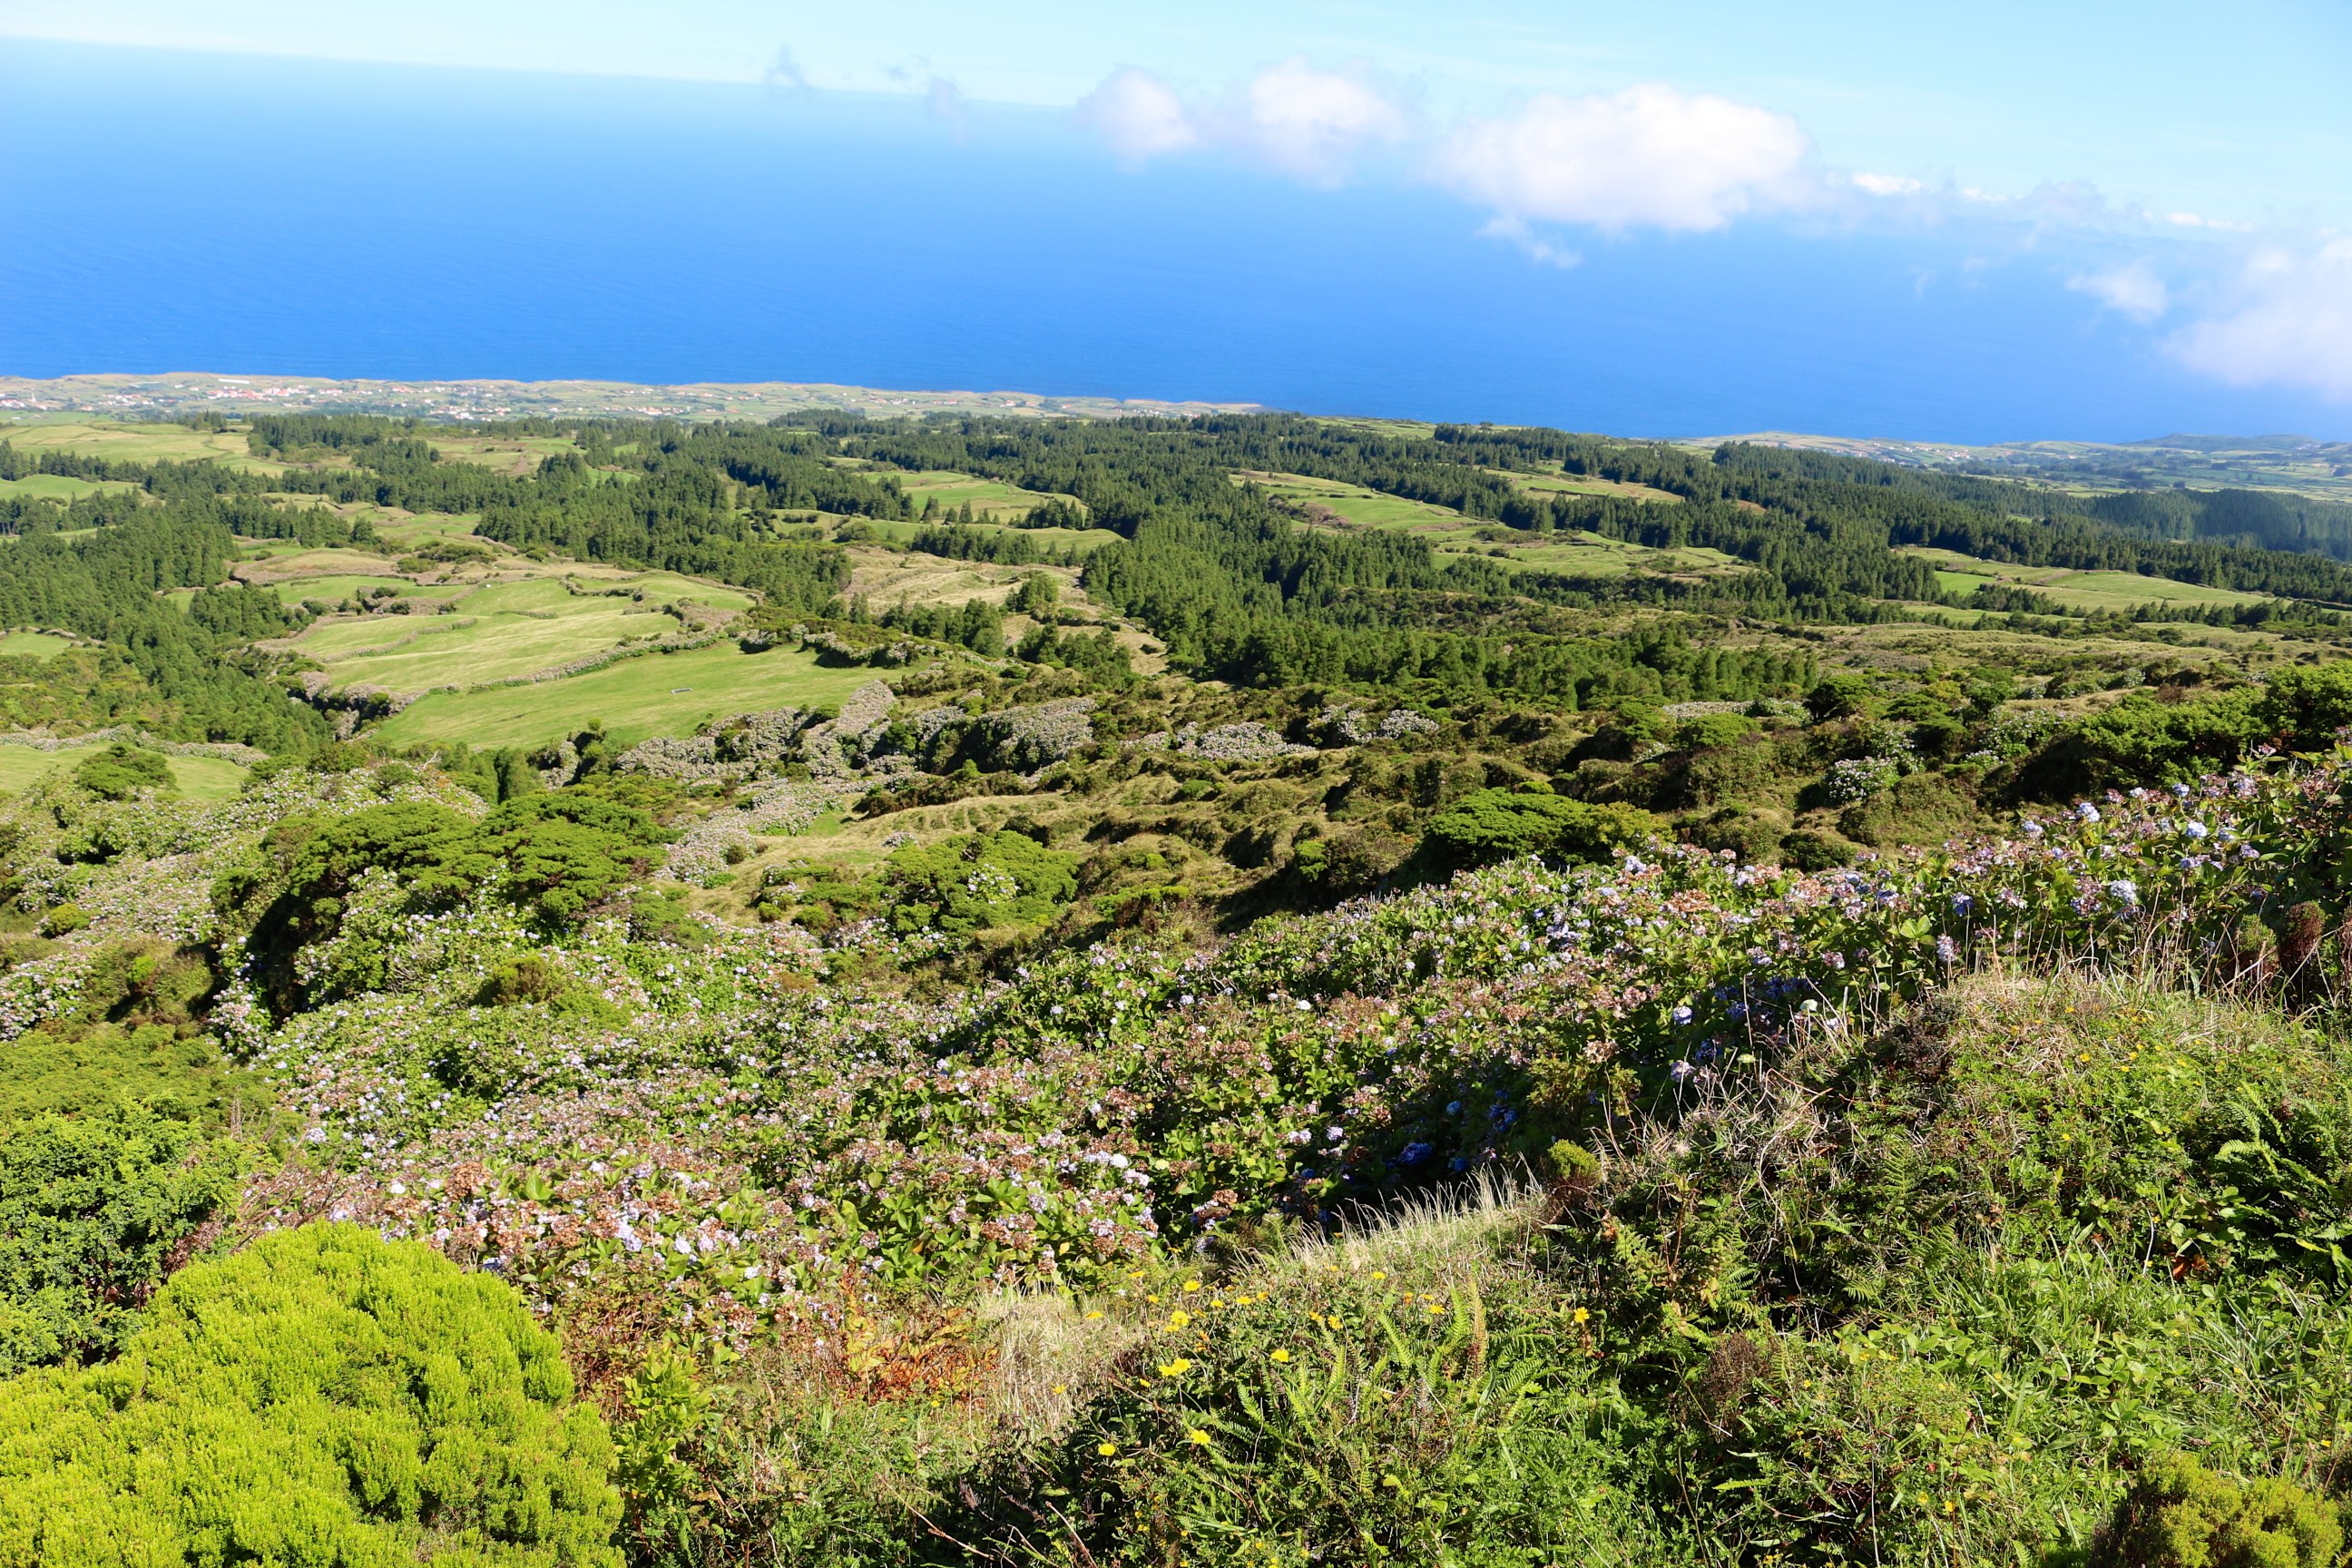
column 2166, row 183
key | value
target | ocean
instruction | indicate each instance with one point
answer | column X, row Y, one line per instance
column 171, row 211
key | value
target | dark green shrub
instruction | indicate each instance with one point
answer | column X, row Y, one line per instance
column 2178, row 1514
column 2305, row 707
column 1808, row 849
column 325, row 1397
column 1839, row 697
column 530, row 978
column 71, row 1071
column 560, row 854
column 1750, row 834
column 63, row 918
column 1713, row 730
column 982, row 879
column 2144, row 740
column 1925, row 808
column 1491, row 824
column 565, row 851
column 91, row 1208
column 120, row 771
column 1744, row 768
column 1352, row 860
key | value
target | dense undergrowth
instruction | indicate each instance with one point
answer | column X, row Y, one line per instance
column 1458, row 1090
column 1662, row 1209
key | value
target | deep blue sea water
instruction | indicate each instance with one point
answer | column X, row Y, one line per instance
column 181, row 211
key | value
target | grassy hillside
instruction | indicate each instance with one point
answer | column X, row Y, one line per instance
column 1282, row 991
column 662, row 694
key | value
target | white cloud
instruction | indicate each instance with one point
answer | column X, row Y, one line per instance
column 2192, row 220
column 2133, row 290
column 1889, row 184
column 1139, row 116
column 1646, row 156
column 1308, row 122
column 2289, row 320
column 1516, row 231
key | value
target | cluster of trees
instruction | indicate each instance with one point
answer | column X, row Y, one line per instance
column 557, row 854
column 1216, row 568
column 976, row 623
column 107, row 584
column 998, row 546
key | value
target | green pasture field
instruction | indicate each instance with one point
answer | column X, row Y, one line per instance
column 1915, row 648
column 131, row 442
column 275, row 549
column 199, row 778
column 208, row 778
column 514, row 455
column 1355, row 504
column 1565, row 484
column 336, row 588
column 655, row 694
column 988, row 498
column 660, row 587
column 500, row 629
column 416, row 653
column 33, row 645
column 886, row 577
column 1962, row 575
column 395, row 524
column 58, row 486
column 410, row 529
column 1584, row 555
column 1580, row 554
column 1048, row 541
column 329, row 562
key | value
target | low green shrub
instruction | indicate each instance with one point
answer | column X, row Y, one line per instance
column 2180, row 1515
column 323, row 1397
column 1491, row 824
column 981, row 880
column 92, row 1207
column 120, row 771
column 68, row 1070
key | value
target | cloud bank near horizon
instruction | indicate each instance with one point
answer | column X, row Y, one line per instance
column 1655, row 158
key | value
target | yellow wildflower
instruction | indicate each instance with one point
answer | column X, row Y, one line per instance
column 1197, row 1436
column 1106, row 1450
column 1582, row 1316
column 1191, row 1285
column 1176, row 1368
column 1178, row 1319
column 1282, row 1356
